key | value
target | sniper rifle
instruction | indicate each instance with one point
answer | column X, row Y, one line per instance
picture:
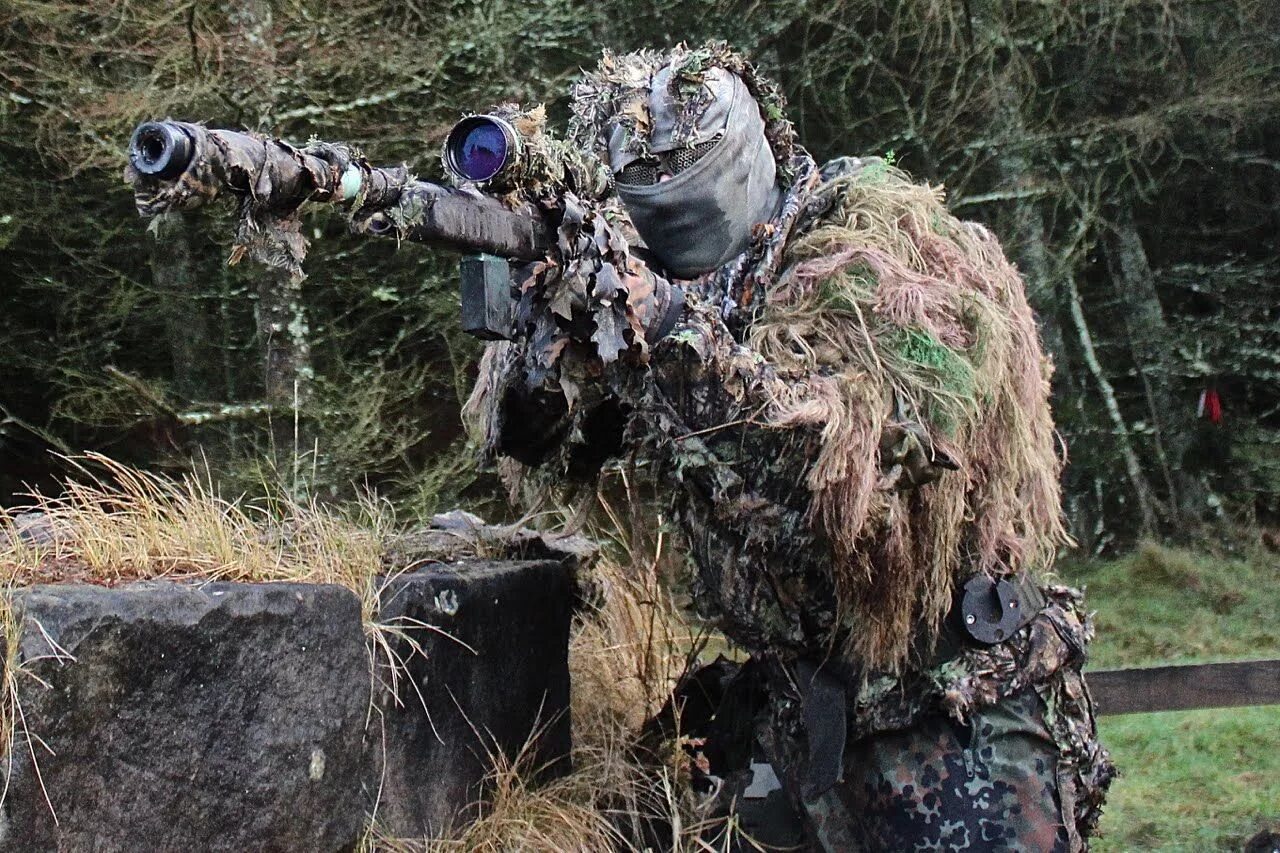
column 508, row 202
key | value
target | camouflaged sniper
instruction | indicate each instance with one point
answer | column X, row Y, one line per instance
column 853, row 416
column 884, row 315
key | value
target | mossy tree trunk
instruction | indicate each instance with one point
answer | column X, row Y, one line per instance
column 176, row 275
column 280, row 314
column 1021, row 182
column 1150, row 341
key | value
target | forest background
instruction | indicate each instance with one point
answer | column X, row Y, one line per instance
column 1127, row 153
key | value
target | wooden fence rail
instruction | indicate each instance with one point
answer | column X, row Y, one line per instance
column 1186, row 687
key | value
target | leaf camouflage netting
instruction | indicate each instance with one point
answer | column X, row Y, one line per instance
column 617, row 93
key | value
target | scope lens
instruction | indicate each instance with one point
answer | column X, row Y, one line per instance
column 478, row 148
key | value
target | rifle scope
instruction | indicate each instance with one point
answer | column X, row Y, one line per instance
column 480, row 148
column 160, row 149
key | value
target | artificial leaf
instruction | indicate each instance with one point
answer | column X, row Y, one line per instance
column 607, row 283
column 562, row 301
column 608, row 335
column 572, row 390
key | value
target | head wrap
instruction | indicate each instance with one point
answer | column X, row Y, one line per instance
column 646, row 104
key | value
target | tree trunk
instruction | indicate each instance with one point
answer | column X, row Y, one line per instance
column 1141, row 487
column 1149, row 340
column 186, row 324
column 1030, row 251
column 1025, row 229
column 280, row 314
column 252, row 61
column 282, row 328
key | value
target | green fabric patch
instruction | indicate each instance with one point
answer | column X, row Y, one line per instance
column 944, row 375
column 850, row 291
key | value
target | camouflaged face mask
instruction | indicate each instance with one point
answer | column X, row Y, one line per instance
column 695, row 202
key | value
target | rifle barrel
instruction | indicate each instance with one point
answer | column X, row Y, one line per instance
column 176, row 165
column 179, row 165
column 462, row 219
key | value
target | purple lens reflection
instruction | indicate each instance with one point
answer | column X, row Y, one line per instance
column 479, row 149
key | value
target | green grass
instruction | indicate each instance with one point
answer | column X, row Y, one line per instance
column 1192, row 780
column 1195, row 780
column 1164, row 605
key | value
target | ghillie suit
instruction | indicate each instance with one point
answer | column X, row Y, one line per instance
column 853, row 416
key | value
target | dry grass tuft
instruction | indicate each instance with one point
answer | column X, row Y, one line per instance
column 626, row 655
column 125, row 525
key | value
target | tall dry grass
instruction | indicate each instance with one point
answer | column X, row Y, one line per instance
column 119, row 524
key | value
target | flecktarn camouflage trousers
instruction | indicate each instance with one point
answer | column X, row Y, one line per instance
column 1003, row 756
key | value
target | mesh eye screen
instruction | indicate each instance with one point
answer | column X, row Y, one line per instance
column 645, row 172
column 639, row 173
column 683, row 158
